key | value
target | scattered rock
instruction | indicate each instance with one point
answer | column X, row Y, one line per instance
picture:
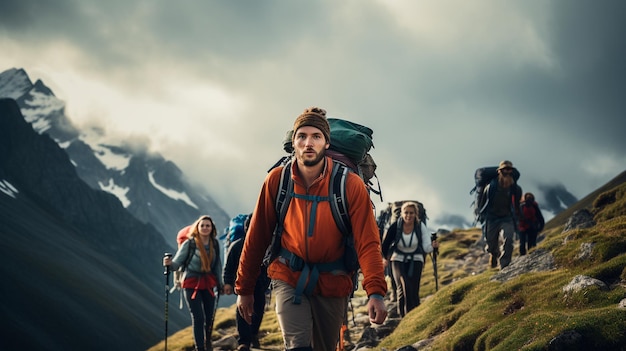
column 423, row 344
column 368, row 338
column 581, row 282
column 567, row 341
column 579, row 220
column 228, row 342
column 585, row 251
column 538, row 260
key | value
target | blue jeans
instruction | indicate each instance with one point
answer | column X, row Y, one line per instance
column 202, row 309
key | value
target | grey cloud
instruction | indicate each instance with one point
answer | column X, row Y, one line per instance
column 452, row 221
column 555, row 197
column 438, row 113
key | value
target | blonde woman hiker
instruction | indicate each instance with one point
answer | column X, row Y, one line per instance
column 200, row 258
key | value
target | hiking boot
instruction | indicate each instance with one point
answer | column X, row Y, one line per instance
column 494, row 261
column 255, row 342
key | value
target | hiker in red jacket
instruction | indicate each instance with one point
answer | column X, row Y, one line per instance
column 311, row 320
column 531, row 223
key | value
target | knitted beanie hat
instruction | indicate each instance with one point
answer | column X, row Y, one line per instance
column 313, row 117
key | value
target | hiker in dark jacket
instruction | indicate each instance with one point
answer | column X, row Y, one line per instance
column 404, row 247
column 501, row 211
column 531, row 223
column 248, row 333
column 203, row 274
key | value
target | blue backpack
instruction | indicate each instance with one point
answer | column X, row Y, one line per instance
column 235, row 229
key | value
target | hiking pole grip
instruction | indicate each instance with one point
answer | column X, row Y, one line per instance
column 166, row 269
column 433, row 237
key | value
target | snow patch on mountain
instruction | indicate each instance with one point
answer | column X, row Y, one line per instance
column 176, row 195
column 8, row 188
column 110, row 159
column 116, row 190
column 44, row 105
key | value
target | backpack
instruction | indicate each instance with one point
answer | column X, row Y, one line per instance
column 235, row 230
column 482, row 177
column 530, row 217
column 392, row 213
column 181, row 237
column 350, row 144
column 350, row 139
column 178, row 275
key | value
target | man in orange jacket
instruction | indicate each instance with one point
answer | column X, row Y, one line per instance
column 310, row 234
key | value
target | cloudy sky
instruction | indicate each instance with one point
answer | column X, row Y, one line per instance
column 447, row 86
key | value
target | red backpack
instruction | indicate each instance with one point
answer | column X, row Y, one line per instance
column 530, row 217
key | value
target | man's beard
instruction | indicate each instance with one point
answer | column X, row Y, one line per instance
column 313, row 162
column 505, row 181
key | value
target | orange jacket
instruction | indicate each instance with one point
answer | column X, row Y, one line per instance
column 325, row 245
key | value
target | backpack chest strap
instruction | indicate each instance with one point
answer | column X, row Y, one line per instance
column 315, row 199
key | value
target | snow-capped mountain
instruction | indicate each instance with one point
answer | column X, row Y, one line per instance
column 151, row 188
column 81, row 271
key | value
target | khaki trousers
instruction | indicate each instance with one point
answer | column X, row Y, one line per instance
column 315, row 322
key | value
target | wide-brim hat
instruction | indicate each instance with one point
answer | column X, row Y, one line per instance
column 505, row 164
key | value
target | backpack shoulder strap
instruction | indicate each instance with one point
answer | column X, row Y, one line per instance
column 418, row 233
column 338, row 200
column 398, row 230
column 283, row 197
column 190, row 252
column 285, row 189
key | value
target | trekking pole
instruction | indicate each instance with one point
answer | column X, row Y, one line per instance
column 433, row 237
column 166, row 273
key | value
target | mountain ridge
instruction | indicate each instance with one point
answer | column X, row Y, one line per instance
column 80, row 265
column 89, row 149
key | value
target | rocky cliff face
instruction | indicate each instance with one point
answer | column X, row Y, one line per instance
column 80, row 271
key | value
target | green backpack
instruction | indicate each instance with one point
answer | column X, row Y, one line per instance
column 350, row 139
column 350, row 144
